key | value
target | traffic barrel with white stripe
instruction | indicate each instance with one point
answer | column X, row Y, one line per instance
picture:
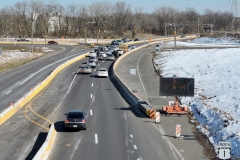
column 157, row 117
column 178, row 130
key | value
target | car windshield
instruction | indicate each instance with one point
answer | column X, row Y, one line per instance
column 102, row 70
column 91, row 61
column 75, row 115
column 87, row 67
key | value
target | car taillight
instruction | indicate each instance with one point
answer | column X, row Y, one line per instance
column 67, row 121
column 83, row 120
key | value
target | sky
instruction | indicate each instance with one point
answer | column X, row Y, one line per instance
column 216, row 77
column 199, row 5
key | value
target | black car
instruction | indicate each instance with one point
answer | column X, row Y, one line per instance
column 75, row 119
column 136, row 39
column 22, row 40
column 115, row 53
column 97, row 51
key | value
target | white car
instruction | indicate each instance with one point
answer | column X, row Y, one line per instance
column 120, row 51
column 102, row 72
column 92, row 63
column 92, row 54
column 103, row 54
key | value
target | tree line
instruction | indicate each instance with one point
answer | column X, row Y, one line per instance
column 104, row 19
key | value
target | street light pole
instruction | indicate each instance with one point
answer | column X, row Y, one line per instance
column 85, row 35
column 165, row 30
column 175, row 34
column 32, row 36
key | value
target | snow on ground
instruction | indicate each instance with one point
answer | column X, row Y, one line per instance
column 216, row 104
column 10, row 56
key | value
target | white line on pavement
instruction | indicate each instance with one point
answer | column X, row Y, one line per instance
column 131, row 135
column 8, row 92
column 92, row 84
column 91, row 95
column 96, row 139
column 91, row 112
column 72, row 82
column 134, row 146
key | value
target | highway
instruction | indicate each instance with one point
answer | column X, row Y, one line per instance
column 114, row 129
column 16, row 82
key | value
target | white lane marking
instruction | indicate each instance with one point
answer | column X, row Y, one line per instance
column 134, row 146
column 140, row 158
column 139, row 74
column 171, row 146
column 99, row 65
column 72, row 81
column 33, row 74
column 91, row 112
column 96, row 139
column 8, row 92
column 92, row 84
column 131, row 135
column 91, row 95
column 75, row 147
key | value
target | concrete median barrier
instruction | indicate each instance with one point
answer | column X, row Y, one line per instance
column 46, row 148
column 149, row 111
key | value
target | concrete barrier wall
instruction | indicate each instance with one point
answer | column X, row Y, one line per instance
column 45, row 149
column 135, row 99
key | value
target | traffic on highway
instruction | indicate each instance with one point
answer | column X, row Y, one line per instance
column 91, row 116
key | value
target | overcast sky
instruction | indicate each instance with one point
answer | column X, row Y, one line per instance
column 150, row 6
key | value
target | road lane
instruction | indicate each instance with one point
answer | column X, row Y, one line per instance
column 18, row 81
column 113, row 131
column 20, row 138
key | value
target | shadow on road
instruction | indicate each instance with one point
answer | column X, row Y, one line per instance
column 60, row 127
column 39, row 142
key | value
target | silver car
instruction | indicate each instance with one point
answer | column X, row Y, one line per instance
column 86, row 69
column 94, row 58
column 92, row 63
column 111, row 57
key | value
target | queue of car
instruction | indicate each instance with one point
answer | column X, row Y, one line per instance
column 77, row 119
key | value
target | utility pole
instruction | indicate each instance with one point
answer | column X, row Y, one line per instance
column 175, row 34
column 85, row 35
column 165, row 30
column 198, row 27
column 34, row 17
column 235, row 11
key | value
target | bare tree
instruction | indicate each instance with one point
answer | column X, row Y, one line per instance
column 98, row 13
column 120, row 13
column 191, row 18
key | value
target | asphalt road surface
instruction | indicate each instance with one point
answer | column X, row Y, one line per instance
column 114, row 130
column 17, row 82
